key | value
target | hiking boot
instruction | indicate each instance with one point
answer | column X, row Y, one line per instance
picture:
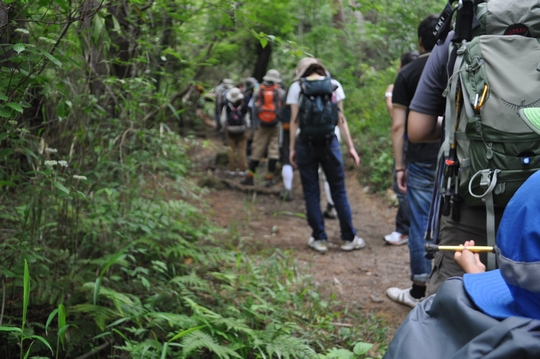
column 247, row 181
column 269, row 182
column 287, row 196
column 402, row 296
column 330, row 212
column 356, row 243
column 318, row 245
column 396, row 238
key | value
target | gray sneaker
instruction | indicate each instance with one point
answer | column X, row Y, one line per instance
column 356, row 243
column 318, row 245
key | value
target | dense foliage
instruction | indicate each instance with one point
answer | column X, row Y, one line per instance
column 102, row 251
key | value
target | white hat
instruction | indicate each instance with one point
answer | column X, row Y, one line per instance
column 228, row 82
column 304, row 64
column 234, row 95
column 272, row 76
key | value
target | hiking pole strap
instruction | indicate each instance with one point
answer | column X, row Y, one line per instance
column 490, row 230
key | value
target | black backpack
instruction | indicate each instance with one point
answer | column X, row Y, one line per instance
column 236, row 121
column 317, row 113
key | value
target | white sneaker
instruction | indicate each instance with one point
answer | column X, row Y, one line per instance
column 356, row 243
column 318, row 245
column 402, row 296
column 396, row 238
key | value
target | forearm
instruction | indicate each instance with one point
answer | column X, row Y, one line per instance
column 423, row 127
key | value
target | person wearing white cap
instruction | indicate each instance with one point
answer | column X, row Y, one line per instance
column 316, row 108
column 494, row 314
column 236, row 123
column 266, row 103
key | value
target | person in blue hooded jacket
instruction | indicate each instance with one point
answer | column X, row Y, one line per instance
column 494, row 314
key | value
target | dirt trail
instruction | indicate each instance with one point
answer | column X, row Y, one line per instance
column 359, row 278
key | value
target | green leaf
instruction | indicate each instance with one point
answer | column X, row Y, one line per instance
column 51, row 58
column 185, row 332
column 10, row 329
column 61, row 187
column 49, row 320
column 41, row 339
column 15, row 106
column 26, row 292
column 4, row 97
column 362, row 348
column 5, row 112
column 18, row 48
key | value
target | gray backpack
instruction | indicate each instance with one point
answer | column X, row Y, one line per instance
column 489, row 149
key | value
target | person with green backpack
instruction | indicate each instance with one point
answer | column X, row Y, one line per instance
column 316, row 102
column 485, row 80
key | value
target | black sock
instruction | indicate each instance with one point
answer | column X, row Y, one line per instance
column 253, row 166
column 418, row 291
column 272, row 166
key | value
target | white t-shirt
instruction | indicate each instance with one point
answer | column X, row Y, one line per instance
column 294, row 93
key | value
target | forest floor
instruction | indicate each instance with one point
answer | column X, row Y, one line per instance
column 262, row 221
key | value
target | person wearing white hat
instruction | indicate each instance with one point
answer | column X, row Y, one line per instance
column 235, row 122
column 317, row 144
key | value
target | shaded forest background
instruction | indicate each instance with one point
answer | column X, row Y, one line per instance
column 98, row 108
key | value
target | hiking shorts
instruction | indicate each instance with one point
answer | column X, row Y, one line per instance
column 263, row 138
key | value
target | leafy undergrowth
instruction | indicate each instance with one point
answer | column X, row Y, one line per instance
column 113, row 265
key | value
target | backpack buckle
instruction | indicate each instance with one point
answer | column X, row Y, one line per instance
column 485, row 180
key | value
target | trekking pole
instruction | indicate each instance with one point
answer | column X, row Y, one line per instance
column 475, row 249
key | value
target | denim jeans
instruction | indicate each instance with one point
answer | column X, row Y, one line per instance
column 329, row 157
column 402, row 215
column 420, row 184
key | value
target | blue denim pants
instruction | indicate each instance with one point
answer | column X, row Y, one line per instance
column 420, row 184
column 329, row 158
column 402, row 214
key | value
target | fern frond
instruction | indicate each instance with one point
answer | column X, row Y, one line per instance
column 200, row 340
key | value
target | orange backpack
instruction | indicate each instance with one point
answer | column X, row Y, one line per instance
column 267, row 105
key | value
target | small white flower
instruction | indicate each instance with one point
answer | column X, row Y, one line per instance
column 80, row 177
column 51, row 150
column 63, row 163
column 50, row 163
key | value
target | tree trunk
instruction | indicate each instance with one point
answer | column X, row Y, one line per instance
column 94, row 49
column 338, row 19
column 263, row 59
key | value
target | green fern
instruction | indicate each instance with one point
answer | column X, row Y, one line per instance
column 200, row 340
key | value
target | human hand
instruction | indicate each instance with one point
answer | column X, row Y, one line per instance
column 468, row 261
column 292, row 158
column 354, row 156
column 401, row 179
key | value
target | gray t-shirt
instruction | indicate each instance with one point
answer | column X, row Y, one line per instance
column 428, row 98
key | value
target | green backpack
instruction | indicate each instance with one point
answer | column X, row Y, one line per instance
column 490, row 146
column 317, row 112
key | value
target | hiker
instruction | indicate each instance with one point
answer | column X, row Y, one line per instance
column 400, row 235
column 220, row 92
column 416, row 176
column 251, row 86
column 266, row 104
column 493, row 314
column 235, row 121
column 505, row 142
column 287, row 173
column 316, row 115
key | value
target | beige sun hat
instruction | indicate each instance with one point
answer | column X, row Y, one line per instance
column 304, row 64
column 272, row 76
column 234, row 95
